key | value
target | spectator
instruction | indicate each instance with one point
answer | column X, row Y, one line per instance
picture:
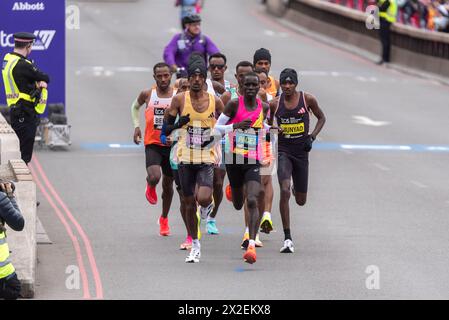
column 441, row 19
column 9, row 214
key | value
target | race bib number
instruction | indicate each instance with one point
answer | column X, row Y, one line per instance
column 245, row 142
column 197, row 137
column 289, row 129
column 158, row 118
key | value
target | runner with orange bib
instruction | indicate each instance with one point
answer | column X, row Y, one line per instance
column 157, row 154
column 262, row 60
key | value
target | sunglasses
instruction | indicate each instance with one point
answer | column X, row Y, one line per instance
column 218, row 66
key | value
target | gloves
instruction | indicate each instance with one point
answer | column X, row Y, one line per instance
column 163, row 138
column 308, row 143
column 183, row 121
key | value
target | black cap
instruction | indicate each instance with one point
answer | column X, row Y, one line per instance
column 24, row 37
column 191, row 19
column 262, row 54
column 288, row 74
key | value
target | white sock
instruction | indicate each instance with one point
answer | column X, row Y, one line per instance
column 267, row 214
column 209, row 218
column 196, row 244
column 252, row 243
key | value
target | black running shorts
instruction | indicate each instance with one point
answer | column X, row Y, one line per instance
column 158, row 156
column 191, row 175
column 239, row 174
column 294, row 167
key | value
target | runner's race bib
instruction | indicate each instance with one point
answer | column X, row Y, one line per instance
column 158, row 118
column 197, row 137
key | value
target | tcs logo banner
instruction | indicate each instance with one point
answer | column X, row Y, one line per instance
column 46, row 19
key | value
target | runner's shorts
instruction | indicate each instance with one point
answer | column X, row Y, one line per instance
column 239, row 174
column 297, row 168
column 158, row 156
column 191, row 175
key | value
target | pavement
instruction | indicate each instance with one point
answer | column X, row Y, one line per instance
column 378, row 192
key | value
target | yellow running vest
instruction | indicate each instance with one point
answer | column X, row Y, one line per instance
column 6, row 267
column 13, row 94
column 194, row 145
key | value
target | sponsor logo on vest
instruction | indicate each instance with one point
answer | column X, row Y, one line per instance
column 25, row 6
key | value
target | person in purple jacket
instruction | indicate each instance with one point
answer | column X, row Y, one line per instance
column 178, row 51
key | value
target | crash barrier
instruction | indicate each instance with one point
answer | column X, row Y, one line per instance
column 412, row 48
column 22, row 244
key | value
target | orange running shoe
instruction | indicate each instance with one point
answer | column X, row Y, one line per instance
column 151, row 194
column 229, row 193
column 164, row 229
column 250, row 255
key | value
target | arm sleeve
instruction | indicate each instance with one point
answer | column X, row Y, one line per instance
column 221, row 125
column 170, row 51
column 384, row 6
column 135, row 107
column 31, row 72
column 10, row 213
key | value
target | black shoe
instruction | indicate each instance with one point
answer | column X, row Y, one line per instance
column 38, row 203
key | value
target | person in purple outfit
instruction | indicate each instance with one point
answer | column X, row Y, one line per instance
column 178, row 51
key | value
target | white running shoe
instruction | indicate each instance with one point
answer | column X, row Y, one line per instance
column 194, row 255
column 288, row 247
column 205, row 212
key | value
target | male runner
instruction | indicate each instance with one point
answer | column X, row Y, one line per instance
column 217, row 68
column 243, row 118
column 262, row 60
column 195, row 148
column 157, row 154
column 291, row 113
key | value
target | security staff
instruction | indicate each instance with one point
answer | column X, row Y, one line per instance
column 26, row 92
column 11, row 215
column 388, row 10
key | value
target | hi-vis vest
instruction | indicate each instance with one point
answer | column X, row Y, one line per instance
column 392, row 11
column 6, row 267
column 13, row 95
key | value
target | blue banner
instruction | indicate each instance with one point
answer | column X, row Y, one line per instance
column 46, row 19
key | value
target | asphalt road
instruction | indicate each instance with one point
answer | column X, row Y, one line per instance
column 371, row 202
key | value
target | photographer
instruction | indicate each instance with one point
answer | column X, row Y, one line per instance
column 11, row 215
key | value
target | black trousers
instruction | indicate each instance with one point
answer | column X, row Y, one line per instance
column 10, row 288
column 384, row 34
column 25, row 127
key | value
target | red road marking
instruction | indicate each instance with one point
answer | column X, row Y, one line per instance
column 76, row 245
column 87, row 245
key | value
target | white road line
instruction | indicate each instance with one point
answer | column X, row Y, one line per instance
column 369, row 122
column 381, row 167
column 419, row 184
column 375, row 147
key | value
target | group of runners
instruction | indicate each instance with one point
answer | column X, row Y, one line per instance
column 201, row 129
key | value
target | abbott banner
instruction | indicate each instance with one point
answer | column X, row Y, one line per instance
column 46, row 19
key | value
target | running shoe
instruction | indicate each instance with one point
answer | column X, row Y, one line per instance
column 245, row 241
column 151, row 194
column 164, row 229
column 259, row 243
column 288, row 247
column 211, row 227
column 205, row 212
column 266, row 225
column 194, row 255
column 250, row 255
column 198, row 216
column 228, row 193
column 186, row 245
